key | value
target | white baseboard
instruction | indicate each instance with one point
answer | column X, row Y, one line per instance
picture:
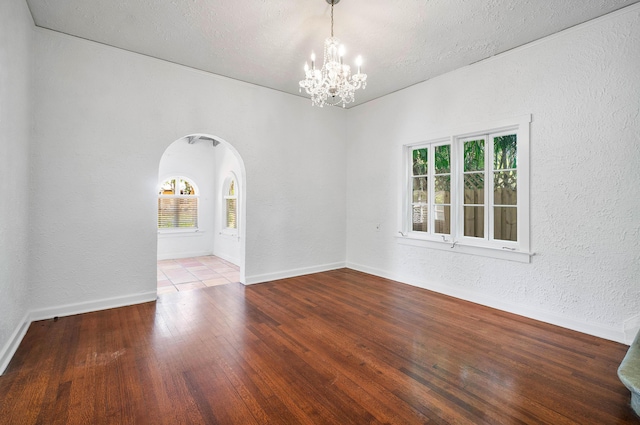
column 267, row 277
column 174, row 255
column 66, row 310
column 625, row 336
column 601, row 331
column 228, row 258
column 86, row 307
column 12, row 345
column 631, row 329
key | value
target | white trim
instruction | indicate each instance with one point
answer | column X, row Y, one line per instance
column 473, row 129
column 268, row 277
column 486, row 246
column 229, row 233
column 182, row 254
column 631, row 328
column 67, row 310
column 225, row 257
column 598, row 330
column 460, row 247
column 231, row 178
column 91, row 306
column 10, row 348
column 179, row 232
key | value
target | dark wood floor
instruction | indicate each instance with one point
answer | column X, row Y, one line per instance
column 339, row 347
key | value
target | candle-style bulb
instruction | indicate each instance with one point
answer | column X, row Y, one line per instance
column 359, row 63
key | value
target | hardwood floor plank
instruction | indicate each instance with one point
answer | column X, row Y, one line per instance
column 339, row 347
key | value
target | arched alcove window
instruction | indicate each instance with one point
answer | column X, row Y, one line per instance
column 177, row 204
column 230, row 193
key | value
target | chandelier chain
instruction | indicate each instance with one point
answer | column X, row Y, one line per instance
column 331, row 19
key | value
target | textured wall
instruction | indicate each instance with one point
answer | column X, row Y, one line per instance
column 582, row 89
column 16, row 31
column 105, row 117
column 197, row 162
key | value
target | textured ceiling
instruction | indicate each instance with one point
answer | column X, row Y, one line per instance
column 402, row 42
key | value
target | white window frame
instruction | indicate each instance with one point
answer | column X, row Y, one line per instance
column 430, row 234
column 225, row 190
column 456, row 242
column 180, row 230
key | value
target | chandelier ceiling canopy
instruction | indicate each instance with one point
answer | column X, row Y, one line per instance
column 332, row 84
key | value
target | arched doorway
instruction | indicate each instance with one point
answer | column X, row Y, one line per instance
column 201, row 207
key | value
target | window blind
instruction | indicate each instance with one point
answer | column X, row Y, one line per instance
column 231, row 213
column 177, row 212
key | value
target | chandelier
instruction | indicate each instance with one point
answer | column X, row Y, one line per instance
column 333, row 84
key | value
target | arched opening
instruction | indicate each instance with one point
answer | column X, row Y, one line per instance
column 201, row 213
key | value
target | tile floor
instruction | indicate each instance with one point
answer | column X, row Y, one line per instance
column 185, row 274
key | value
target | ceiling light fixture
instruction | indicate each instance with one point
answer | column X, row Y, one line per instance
column 333, row 84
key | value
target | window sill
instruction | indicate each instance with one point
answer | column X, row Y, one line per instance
column 164, row 233
column 232, row 233
column 483, row 251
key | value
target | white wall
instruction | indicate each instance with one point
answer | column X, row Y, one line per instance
column 105, row 117
column 226, row 242
column 197, row 162
column 16, row 32
column 582, row 87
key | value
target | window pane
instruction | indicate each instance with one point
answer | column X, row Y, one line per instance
column 443, row 189
column 443, row 159
column 505, row 152
column 167, row 187
column 474, row 221
column 505, row 223
column 474, row 155
column 177, row 212
column 420, row 218
column 420, row 189
column 420, row 164
column 505, row 188
column 442, row 219
column 231, row 214
column 185, row 188
column 474, row 188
